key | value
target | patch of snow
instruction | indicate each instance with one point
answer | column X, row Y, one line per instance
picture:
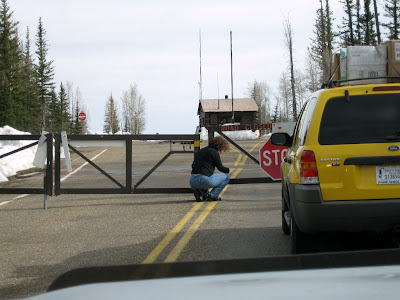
column 10, row 165
column 234, row 135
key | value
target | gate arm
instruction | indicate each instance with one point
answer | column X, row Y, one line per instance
column 17, row 150
column 237, row 146
column 95, row 166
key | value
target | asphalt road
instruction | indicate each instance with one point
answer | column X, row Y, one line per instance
column 78, row 231
column 38, row 245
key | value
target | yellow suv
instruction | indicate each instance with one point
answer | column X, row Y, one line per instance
column 342, row 170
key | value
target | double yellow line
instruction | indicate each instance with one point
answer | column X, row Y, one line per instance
column 184, row 240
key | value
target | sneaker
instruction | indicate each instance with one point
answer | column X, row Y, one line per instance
column 197, row 195
column 211, row 198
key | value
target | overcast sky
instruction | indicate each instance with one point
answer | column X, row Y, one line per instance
column 103, row 46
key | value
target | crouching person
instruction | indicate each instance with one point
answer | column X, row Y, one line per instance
column 203, row 177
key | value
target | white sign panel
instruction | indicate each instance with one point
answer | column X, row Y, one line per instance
column 66, row 151
column 41, row 153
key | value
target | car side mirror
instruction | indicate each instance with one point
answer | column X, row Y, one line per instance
column 281, row 139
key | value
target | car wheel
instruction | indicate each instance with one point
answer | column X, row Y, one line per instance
column 299, row 240
column 295, row 237
column 285, row 210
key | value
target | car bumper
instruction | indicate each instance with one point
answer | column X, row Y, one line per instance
column 312, row 214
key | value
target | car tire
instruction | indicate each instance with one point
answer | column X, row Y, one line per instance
column 285, row 208
column 300, row 242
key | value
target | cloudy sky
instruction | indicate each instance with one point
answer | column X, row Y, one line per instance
column 104, row 46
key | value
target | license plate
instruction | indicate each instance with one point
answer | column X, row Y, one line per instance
column 388, row 174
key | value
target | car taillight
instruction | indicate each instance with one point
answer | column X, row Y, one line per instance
column 386, row 88
column 308, row 168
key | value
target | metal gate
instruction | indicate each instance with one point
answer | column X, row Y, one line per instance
column 52, row 172
column 127, row 141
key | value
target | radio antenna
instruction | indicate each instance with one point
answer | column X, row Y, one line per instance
column 201, row 82
column 233, row 112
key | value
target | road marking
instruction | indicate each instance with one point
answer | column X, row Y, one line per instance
column 61, row 180
column 83, row 165
column 251, row 150
column 170, row 235
column 238, row 159
column 177, row 250
column 184, row 240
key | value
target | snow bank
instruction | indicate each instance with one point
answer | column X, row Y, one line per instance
column 22, row 160
column 234, row 135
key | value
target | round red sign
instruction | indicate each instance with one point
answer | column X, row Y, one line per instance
column 271, row 157
column 82, row 116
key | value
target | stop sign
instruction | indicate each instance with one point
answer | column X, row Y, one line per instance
column 271, row 157
column 82, row 116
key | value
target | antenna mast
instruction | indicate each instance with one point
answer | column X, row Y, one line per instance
column 218, row 89
column 200, row 83
column 233, row 112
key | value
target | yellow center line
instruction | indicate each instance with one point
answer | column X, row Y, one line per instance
column 170, row 235
column 177, row 250
column 251, row 150
column 238, row 159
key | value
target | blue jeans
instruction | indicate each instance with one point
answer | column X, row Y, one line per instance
column 216, row 181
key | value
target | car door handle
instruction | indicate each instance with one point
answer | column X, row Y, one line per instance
column 288, row 160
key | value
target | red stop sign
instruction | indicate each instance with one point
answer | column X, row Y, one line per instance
column 271, row 157
column 82, row 116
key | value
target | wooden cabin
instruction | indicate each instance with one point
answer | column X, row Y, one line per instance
column 214, row 112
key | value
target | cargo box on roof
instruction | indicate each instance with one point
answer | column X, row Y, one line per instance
column 363, row 62
column 393, row 49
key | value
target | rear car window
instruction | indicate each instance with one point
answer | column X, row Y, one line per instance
column 362, row 119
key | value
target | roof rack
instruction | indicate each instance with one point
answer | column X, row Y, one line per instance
column 332, row 83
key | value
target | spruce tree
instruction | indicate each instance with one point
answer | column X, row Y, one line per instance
column 275, row 114
column 10, row 59
column 111, row 122
column 45, row 72
column 78, row 127
column 322, row 44
column 368, row 24
column 54, row 112
column 392, row 12
column 29, row 91
column 63, row 115
column 358, row 22
column 347, row 29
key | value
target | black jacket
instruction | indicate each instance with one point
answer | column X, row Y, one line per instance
column 205, row 161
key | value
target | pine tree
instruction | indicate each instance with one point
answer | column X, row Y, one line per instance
column 45, row 72
column 111, row 122
column 53, row 115
column 322, row 45
column 348, row 31
column 10, row 58
column 63, row 116
column 29, row 91
column 77, row 127
column 275, row 114
column 358, row 22
column 368, row 24
column 392, row 12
